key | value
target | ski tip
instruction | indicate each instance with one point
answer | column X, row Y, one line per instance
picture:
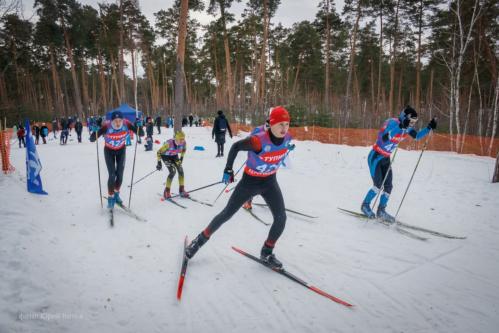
column 237, row 249
column 331, row 297
column 180, row 287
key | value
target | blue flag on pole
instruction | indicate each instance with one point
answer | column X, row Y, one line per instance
column 33, row 164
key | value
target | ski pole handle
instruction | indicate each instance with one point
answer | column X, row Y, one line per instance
column 223, row 190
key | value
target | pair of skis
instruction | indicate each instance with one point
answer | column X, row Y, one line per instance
column 281, row 271
column 126, row 210
column 259, row 219
column 176, row 203
column 401, row 227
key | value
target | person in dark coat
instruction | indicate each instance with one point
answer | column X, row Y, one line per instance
column 78, row 129
column 158, row 124
column 55, row 127
column 191, row 120
column 36, row 130
column 149, row 133
column 64, row 131
column 220, row 128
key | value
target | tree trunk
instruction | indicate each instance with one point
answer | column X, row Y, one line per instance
column 494, row 122
column 418, row 62
column 495, row 179
column 352, row 62
column 102, row 83
column 179, row 68
column 76, row 88
column 121, row 60
column 229, row 84
column 84, row 88
column 326, row 74
column 392, row 60
column 380, row 63
column 59, row 107
column 263, row 59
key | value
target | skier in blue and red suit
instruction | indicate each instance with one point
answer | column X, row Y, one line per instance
column 248, row 204
column 390, row 135
column 115, row 132
column 266, row 152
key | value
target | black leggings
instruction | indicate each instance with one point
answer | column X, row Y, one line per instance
column 173, row 165
column 115, row 162
column 220, row 148
column 248, row 187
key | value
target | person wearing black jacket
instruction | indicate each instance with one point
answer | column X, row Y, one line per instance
column 78, row 129
column 149, row 133
column 158, row 124
column 64, row 131
column 55, row 127
column 220, row 127
column 36, row 129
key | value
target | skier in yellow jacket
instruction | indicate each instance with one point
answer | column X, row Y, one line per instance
column 169, row 153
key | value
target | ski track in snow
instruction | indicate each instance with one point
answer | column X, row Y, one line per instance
column 63, row 269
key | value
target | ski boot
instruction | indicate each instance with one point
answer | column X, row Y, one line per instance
column 247, row 205
column 194, row 246
column 166, row 194
column 182, row 192
column 117, row 199
column 110, row 202
column 269, row 258
column 367, row 211
column 384, row 216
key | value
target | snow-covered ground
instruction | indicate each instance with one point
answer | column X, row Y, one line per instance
column 63, row 269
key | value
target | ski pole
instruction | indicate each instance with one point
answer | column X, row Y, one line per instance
column 98, row 169
column 150, row 173
column 382, row 187
column 223, row 190
column 412, row 176
column 136, row 129
column 199, row 188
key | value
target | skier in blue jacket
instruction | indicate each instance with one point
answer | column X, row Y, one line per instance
column 394, row 131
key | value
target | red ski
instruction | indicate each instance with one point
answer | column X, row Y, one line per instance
column 183, row 270
column 290, row 276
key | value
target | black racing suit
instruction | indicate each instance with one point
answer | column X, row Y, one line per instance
column 250, row 186
column 115, row 160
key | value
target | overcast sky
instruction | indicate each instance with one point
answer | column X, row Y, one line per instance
column 289, row 11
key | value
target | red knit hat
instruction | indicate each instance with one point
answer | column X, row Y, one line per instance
column 278, row 115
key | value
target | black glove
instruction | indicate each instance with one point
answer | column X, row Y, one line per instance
column 159, row 166
column 432, row 124
column 181, row 159
column 385, row 137
column 405, row 123
column 93, row 136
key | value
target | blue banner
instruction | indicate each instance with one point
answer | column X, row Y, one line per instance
column 33, row 164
